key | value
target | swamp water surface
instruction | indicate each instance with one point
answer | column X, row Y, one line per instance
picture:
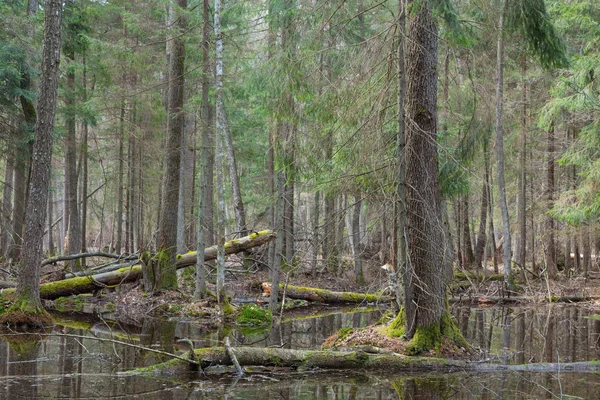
column 71, row 363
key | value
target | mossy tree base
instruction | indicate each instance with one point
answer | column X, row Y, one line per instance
column 25, row 314
column 428, row 338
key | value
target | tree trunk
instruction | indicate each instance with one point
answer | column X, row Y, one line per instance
column 234, row 179
column 51, row 197
column 73, row 222
column 500, row 148
column 220, row 162
column 482, row 237
column 119, row 216
column 550, row 245
column 315, row 238
column 356, row 245
column 521, row 251
column 6, row 203
column 469, row 258
column 167, row 230
column 20, row 200
column 206, row 195
column 426, row 237
column 85, row 172
column 28, row 280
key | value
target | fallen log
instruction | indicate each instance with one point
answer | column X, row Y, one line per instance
column 493, row 300
column 327, row 359
column 7, row 284
column 189, row 259
column 91, row 283
column 324, row 295
column 87, row 255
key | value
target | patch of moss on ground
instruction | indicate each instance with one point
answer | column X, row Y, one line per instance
column 69, row 304
column 253, row 315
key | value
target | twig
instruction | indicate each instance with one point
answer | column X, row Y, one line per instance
column 234, row 361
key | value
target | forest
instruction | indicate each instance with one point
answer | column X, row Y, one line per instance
column 178, row 158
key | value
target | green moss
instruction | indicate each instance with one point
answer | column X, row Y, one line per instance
column 69, row 304
column 25, row 312
column 252, row 315
column 425, row 338
column 228, row 309
column 167, row 278
column 430, row 337
column 344, row 333
column 593, row 317
column 396, row 327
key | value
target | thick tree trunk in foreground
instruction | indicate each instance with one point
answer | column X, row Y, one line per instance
column 384, row 361
column 28, row 283
column 324, row 295
column 167, row 230
column 426, row 239
column 90, row 283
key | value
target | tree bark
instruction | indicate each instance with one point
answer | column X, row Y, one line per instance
column 28, row 280
column 219, row 160
column 167, row 230
column 403, row 268
column 206, row 195
column 426, row 237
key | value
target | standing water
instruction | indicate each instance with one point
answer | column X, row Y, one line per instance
column 86, row 360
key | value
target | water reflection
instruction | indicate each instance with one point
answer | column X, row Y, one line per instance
column 75, row 364
column 549, row 333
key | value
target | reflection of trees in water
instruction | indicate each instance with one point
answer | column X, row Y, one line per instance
column 520, row 335
column 21, row 358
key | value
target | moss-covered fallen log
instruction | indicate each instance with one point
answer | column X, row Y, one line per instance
column 326, row 359
column 91, row 283
column 231, row 246
column 326, row 296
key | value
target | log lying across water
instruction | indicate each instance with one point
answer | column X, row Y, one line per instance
column 91, row 283
column 325, row 296
column 327, row 359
